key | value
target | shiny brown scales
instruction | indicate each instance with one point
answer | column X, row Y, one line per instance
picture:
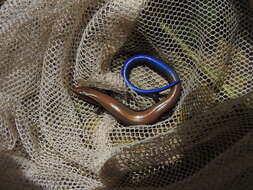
column 125, row 115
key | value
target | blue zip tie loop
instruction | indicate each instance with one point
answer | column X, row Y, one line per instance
column 154, row 63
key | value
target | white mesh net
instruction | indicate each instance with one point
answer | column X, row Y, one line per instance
column 50, row 139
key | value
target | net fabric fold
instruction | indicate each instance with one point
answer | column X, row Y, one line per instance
column 53, row 140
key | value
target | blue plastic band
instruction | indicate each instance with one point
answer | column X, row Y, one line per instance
column 154, row 63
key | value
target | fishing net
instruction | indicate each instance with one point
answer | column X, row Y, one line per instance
column 50, row 139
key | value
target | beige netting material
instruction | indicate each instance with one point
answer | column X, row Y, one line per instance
column 52, row 140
